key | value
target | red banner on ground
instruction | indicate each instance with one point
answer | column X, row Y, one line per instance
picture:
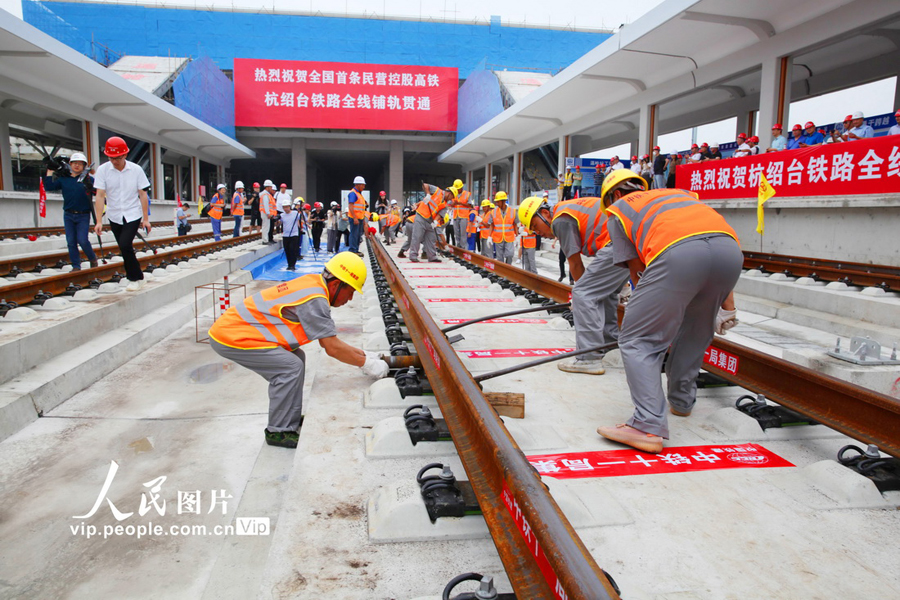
column 329, row 95
column 869, row 166
column 514, row 352
column 470, row 300
column 618, row 463
column 498, row 321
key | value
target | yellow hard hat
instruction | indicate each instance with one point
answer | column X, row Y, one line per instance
column 453, row 190
column 501, row 196
column 349, row 268
column 485, row 202
column 614, row 179
column 529, row 207
column 493, row 205
column 375, row 217
column 458, row 184
column 299, row 199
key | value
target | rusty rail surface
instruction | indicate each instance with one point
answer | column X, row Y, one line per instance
column 39, row 231
column 851, row 273
column 548, row 560
column 863, row 414
column 23, row 292
column 52, row 259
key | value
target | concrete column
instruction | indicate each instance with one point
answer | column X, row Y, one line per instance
column 744, row 124
column 488, row 181
column 579, row 144
column 648, row 130
column 90, row 142
column 395, row 171
column 6, row 171
column 298, row 166
column 774, row 96
column 195, row 179
column 515, row 179
column 157, row 174
column 563, row 152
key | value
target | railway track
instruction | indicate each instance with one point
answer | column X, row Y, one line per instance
column 24, row 232
column 858, row 274
column 10, row 267
column 542, row 554
column 64, row 284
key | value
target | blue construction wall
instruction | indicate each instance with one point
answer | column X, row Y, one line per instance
column 479, row 101
column 202, row 90
column 223, row 36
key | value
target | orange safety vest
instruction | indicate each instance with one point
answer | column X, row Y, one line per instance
column 358, row 206
column 485, row 226
column 217, row 204
column 470, row 226
column 529, row 240
column 267, row 202
column 392, row 220
column 591, row 222
column 432, row 206
column 462, row 212
column 502, row 225
column 237, row 205
column 657, row 219
column 257, row 322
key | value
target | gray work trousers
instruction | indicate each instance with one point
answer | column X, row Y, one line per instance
column 503, row 251
column 487, row 247
column 407, row 231
column 423, row 235
column 528, row 261
column 388, row 235
column 459, row 232
column 595, row 298
column 675, row 304
column 284, row 371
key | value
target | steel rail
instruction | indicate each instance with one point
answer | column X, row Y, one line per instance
column 23, row 292
column 827, row 270
column 39, row 231
column 863, row 414
column 29, row 263
column 509, row 490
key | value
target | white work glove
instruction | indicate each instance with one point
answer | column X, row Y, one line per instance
column 375, row 367
column 725, row 320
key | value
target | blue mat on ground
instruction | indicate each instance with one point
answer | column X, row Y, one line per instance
column 274, row 266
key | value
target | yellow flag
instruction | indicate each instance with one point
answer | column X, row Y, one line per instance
column 766, row 191
column 200, row 205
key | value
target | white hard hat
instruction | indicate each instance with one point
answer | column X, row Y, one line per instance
column 238, row 185
column 78, row 156
column 393, row 201
column 334, row 203
column 268, row 183
column 858, row 115
column 359, row 180
column 286, row 202
column 221, row 186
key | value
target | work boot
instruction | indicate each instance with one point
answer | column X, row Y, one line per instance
column 625, row 434
column 401, row 254
column 435, row 259
column 679, row 413
column 589, row 367
column 94, row 264
column 415, row 260
column 284, row 439
column 571, row 281
column 423, row 257
column 561, row 277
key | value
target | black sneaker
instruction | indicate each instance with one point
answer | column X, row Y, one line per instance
column 561, row 277
column 285, row 439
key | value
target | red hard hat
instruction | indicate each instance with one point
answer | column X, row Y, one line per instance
column 796, row 127
column 742, row 135
column 306, row 207
column 318, row 205
column 32, row 237
column 754, row 139
column 255, row 184
column 897, row 114
column 776, row 126
column 284, row 185
column 634, row 158
column 809, row 124
column 656, row 147
column 382, row 193
column 115, row 146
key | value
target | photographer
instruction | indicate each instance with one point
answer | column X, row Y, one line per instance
column 77, row 187
column 182, row 215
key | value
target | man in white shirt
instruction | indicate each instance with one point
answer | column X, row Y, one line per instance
column 859, row 129
column 635, row 165
column 122, row 185
column 895, row 129
column 281, row 196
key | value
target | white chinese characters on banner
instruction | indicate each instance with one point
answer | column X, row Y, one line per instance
column 377, row 102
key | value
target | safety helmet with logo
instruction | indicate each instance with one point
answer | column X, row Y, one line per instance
column 221, row 186
column 458, row 184
column 238, row 185
column 78, row 156
column 615, row 180
column 359, row 180
column 500, row 196
column 485, row 202
column 349, row 268
column 529, row 207
column 115, row 146
column 268, row 183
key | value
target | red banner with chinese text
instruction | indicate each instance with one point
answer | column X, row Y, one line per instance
column 42, row 199
column 870, row 166
column 327, row 95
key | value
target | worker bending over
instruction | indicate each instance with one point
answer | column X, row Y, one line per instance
column 430, row 216
column 686, row 260
column 503, row 222
column 581, row 227
column 265, row 332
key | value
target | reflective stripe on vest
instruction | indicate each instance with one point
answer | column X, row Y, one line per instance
column 591, row 222
column 237, row 205
column 257, row 322
column 217, row 203
column 358, row 206
column 462, row 212
column 267, row 202
column 657, row 219
column 529, row 240
column 503, row 225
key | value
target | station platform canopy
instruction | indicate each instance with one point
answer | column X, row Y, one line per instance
column 47, row 89
column 691, row 62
